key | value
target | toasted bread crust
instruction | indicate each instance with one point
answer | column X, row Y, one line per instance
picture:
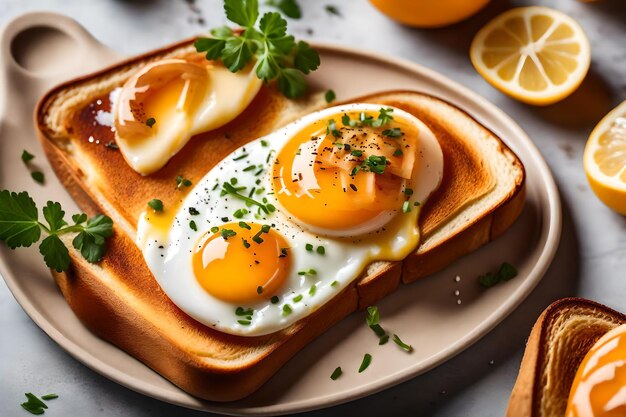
column 121, row 302
column 556, row 346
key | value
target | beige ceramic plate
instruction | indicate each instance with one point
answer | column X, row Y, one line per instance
column 39, row 50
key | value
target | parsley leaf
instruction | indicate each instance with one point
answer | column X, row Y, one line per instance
column 242, row 12
column 506, row 272
column 290, row 8
column 27, row 156
column 38, row 176
column 91, row 241
column 278, row 57
column 236, row 53
column 307, row 58
column 53, row 213
column 33, row 404
column 291, row 83
column 330, row 96
column 55, row 254
column 20, row 226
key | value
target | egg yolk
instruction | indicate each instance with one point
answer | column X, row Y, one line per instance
column 599, row 388
column 241, row 262
column 338, row 177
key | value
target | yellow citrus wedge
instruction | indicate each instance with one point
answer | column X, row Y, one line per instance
column 534, row 54
column 605, row 159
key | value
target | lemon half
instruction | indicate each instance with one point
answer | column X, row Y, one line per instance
column 605, row 159
column 534, row 54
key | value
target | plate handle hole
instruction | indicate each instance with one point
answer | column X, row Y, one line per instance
column 44, row 50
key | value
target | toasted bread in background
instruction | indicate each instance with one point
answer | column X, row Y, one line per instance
column 119, row 300
column 557, row 345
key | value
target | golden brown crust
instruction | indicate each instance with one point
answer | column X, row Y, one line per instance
column 121, row 302
column 558, row 342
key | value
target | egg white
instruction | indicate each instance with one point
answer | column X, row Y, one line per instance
column 169, row 257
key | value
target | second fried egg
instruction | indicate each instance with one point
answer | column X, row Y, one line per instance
column 283, row 224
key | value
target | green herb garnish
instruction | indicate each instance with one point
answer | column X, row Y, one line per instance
column 372, row 163
column 38, row 176
column 274, row 299
column 332, row 10
column 48, row 397
column 312, row 290
column 150, row 122
column 193, row 226
column 336, row 373
column 27, row 156
column 373, row 321
column 321, row 250
column 287, row 310
column 155, row 204
column 289, row 8
column 506, row 272
column 182, row 182
column 398, row 152
column 330, row 96
column 244, row 225
column 297, row 298
column 406, row 207
column 229, row 189
column 308, row 247
column 240, row 311
column 278, row 56
column 20, row 227
column 393, row 132
column 239, row 213
column 403, row 346
column 383, row 339
column 367, row 359
column 33, row 404
column 226, row 233
column 310, row 271
column 332, row 128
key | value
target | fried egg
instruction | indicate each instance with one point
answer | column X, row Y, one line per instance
column 164, row 104
column 282, row 225
column 599, row 387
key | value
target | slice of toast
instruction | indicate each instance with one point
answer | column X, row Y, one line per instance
column 118, row 299
column 557, row 345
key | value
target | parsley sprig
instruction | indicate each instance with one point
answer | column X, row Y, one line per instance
column 20, row 227
column 278, row 56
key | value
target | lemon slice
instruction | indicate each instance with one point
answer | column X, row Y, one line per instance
column 534, row 54
column 605, row 159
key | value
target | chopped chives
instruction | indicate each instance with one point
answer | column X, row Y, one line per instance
column 336, row 373
column 287, row 310
column 403, row 346
column 367, row 359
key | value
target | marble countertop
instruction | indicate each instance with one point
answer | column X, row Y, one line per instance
column 590, row 262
